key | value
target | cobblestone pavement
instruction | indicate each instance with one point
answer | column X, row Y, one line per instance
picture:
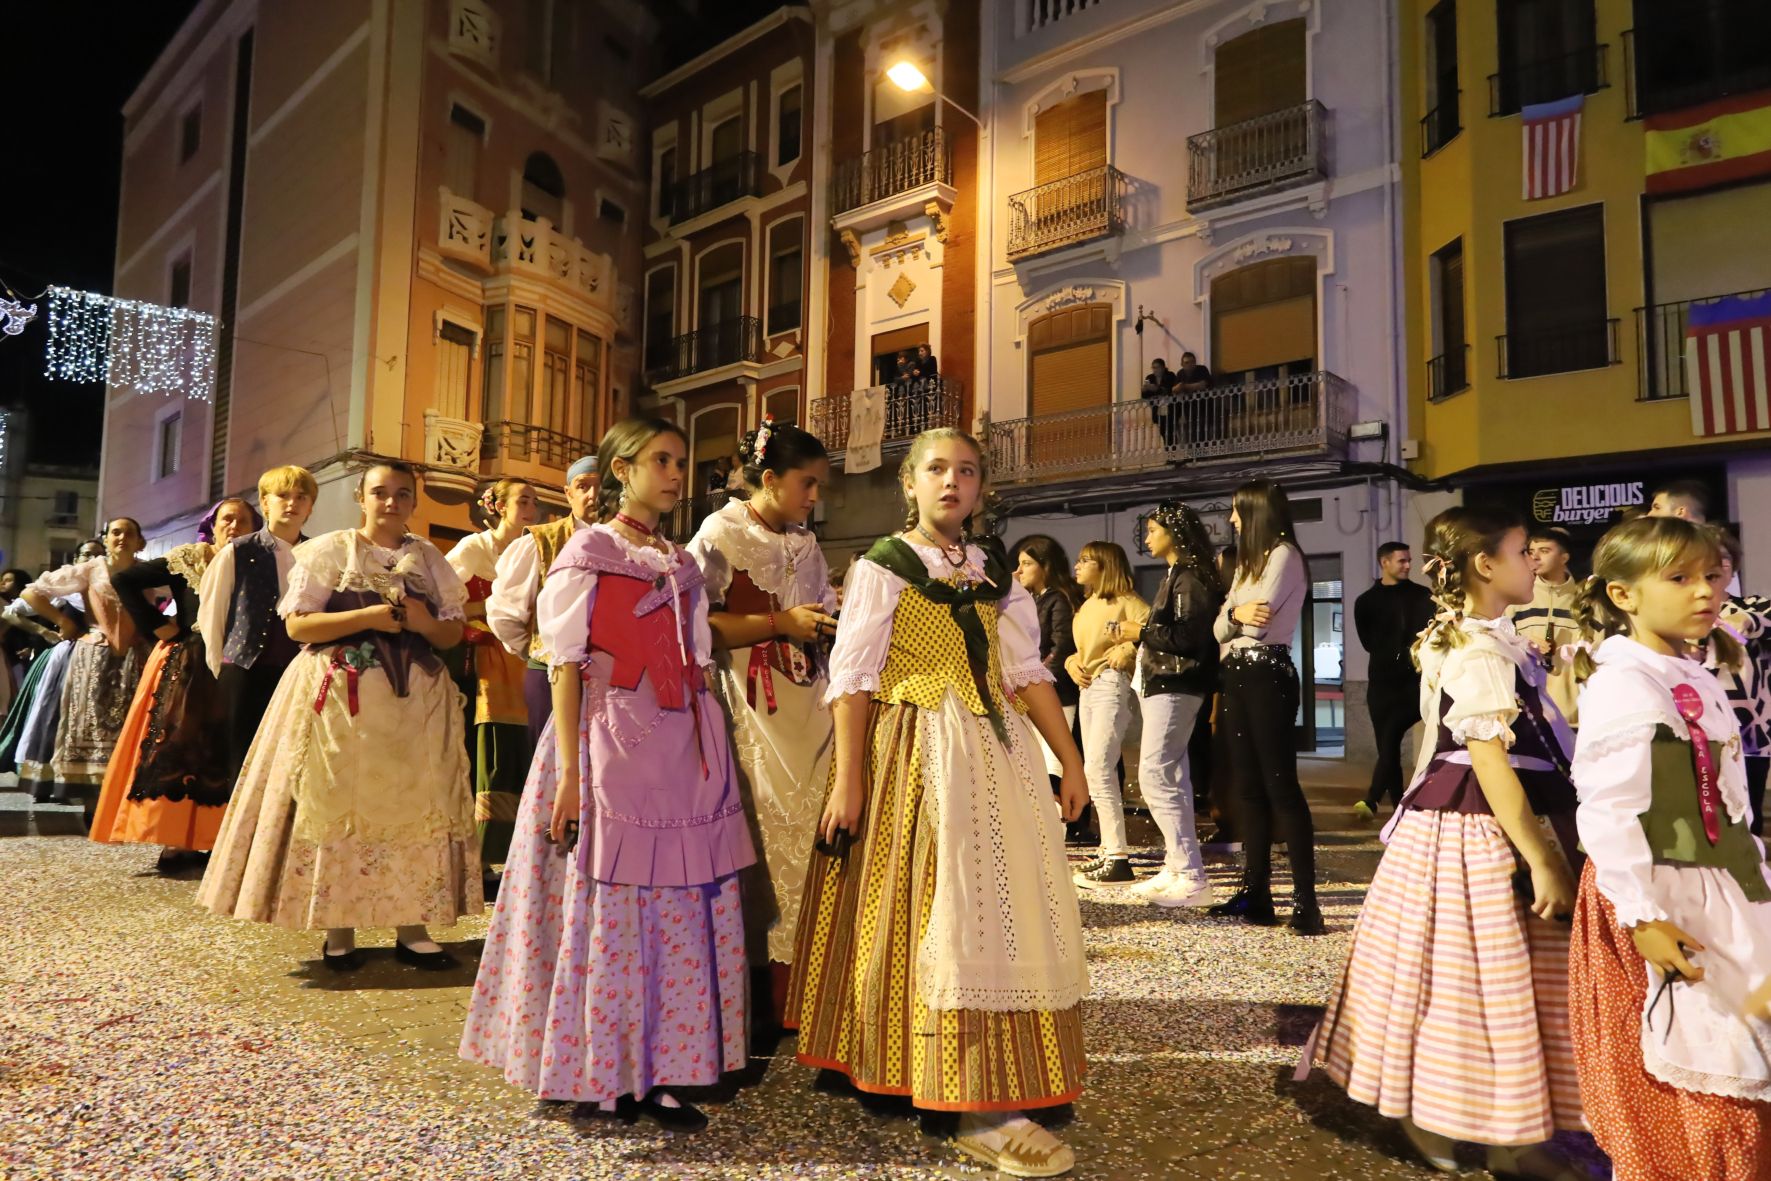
column 141, row 1038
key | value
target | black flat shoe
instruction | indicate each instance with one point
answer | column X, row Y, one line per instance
column 425, row 961
column 348, row 961
column 1307, row 920
column 683, row 1118
column 1253, row 910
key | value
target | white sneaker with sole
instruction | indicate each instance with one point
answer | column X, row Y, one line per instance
column 1161, row 880
column 1183, row 889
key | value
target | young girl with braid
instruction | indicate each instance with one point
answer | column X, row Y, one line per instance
column 1671, row 960
column 1452, row 1012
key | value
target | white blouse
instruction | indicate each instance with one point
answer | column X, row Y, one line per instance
column 346, row 561
column 1620, row 707
column 476, row 556
column 1478, row 676
column 788, row 565
column 562, row 609
column 864, row 634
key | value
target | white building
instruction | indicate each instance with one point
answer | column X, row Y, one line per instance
column 1223, row 175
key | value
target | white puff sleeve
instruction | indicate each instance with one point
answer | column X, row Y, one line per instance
column 444, row 587
column 1017, row 637
column 1613, row 772
column 864, row 632
column 715, row 569
column 72, row 579
column 1479, row 694
column 562, row 614
column 317, row 572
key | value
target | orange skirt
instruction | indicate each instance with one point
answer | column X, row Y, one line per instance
column 1651, row 1131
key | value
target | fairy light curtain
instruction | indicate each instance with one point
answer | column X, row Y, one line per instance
column 125, row 343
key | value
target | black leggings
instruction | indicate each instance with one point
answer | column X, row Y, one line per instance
column 1260, row 705
column 1395, row 708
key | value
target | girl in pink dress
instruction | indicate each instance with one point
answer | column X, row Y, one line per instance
column 614, row 966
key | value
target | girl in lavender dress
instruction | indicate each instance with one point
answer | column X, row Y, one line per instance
column 631, row 833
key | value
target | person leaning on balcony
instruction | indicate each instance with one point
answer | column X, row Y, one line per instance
column 521, row 573
column 1159, row 383
column 1192, row 378
column 923, row 372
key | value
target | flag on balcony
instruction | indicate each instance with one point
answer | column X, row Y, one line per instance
column 1694, row 148
column 867, row 415
column 1552, row 146
column 1725, row 345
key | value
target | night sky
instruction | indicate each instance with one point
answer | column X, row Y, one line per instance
column 65, row 80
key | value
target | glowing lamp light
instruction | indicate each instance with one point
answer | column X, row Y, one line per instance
column 906, row 76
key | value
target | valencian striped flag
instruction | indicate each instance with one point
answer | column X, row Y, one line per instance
column 1711, row 144
column 1726, row 342
column 1552, row 146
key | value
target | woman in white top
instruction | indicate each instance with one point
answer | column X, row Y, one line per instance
column 1260, row 688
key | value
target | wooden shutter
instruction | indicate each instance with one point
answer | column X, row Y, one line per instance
column 1070, row 138
column 1072, row 369
column 1260, row 72
column 1264, row 315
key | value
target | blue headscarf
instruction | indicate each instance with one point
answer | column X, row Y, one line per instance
column 583, row 467
column 206, row 527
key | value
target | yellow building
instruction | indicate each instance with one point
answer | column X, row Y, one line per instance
column 1546, row 336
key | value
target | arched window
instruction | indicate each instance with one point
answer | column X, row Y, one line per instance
column 544, row 189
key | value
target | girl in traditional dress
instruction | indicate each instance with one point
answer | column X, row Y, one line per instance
column 1102, row 666
column 631, row 834
column 1452, row 1012
column 502, row 749
column 1260, row 700
column 168, row 781
column 1177, row 671
column 22, row 621
column 1671, row 959
column 355, row 807
column 771, row 606
column 940, row 946
column 104, row 667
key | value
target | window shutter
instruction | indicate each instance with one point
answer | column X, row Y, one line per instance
column 1071, row 369
column 1260, row 72
column 1088, row 131
column 1051, row 145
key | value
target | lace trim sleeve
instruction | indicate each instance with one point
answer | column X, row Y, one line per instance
column 1484, row 728
column 853, row 681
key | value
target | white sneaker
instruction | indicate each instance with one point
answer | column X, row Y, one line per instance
column 1183, row 889
column 1162, row 880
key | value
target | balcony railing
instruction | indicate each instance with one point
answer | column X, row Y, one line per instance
column 1536, row 352
column 505, row 441
column 452, row 449
column 1032, row 15
column 469, row 232
column 725, row 343
column 1696, row 51
column 716, row 185
column 1660, row 347
column 1441, row 125
column 1304, row 414
column 892, row 169
column 1271, row 151
column 912, row 407
column 1547, row 79
column 1065, row 212
column 1449, row 372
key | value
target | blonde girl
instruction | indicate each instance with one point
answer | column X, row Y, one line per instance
column 1102, row 665
column 1452, row 1014
column 940, row 944
column 1672, row 934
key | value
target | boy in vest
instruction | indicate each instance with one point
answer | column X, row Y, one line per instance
column 244, row 639
column 522, row 571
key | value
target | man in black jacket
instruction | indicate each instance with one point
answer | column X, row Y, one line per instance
column 1388, row 617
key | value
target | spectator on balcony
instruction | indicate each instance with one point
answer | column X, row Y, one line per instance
column 1192, row 377
column 923, row 372
column 924, row 367
column 1159, row 383
column 521, row 573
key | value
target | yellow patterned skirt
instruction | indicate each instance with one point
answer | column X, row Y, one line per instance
column 853, row 994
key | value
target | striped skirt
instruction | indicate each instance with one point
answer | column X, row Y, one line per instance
column 1453, row 1008
column 853, row 992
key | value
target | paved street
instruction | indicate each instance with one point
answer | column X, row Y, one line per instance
column 142, row 1038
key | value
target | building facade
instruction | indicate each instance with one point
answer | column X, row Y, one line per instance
column 413, row 222
column 1218, row 179
column 727, row 232
column 1551, row 287
column 46, row 510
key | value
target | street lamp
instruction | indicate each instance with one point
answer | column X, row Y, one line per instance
column 905, row 75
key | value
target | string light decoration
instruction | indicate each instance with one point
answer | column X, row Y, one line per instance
column 14, row 315
column 126, row 343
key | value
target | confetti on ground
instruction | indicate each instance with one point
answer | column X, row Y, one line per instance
column 142, row 1038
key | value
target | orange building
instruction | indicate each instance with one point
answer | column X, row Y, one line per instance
column 414, row 221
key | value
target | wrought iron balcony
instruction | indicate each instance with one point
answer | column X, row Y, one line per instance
column 1066, row 212
column 1660, row 347
column 718, row 184
column 1534, row 352
column 1694, row 52
column 911, row 407
column 1304, row 414
column 1440, row 125
column 1547, row 79
column 1273, row 151
column 891, row 169
column 519, row 441
column 725, row 343
column 1449, row 372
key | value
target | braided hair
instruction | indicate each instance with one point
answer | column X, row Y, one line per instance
column 1636, row 550
column 1455, row 539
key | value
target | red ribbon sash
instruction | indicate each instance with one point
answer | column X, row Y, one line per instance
column 1709, row 788
column 350, row 682
column 760, row 671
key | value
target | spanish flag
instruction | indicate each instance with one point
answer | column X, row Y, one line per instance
column 1694, row 148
